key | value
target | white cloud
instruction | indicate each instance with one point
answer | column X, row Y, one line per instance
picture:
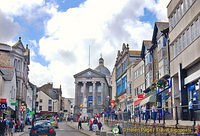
column 103, row 24
column 39, row 74
column 160, row 9
column 19, row 7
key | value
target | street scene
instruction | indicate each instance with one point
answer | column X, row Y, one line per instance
column 62, row 130
column 98, row 67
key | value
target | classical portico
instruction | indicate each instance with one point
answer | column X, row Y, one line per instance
column 91, row 92
column 90, row 96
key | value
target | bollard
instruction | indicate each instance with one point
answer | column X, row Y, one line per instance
column 159, row 116
column 163, row 117
column 176, row 116
column 194, row 121
column 139, row 117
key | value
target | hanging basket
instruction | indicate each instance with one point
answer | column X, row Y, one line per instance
column 161, row 83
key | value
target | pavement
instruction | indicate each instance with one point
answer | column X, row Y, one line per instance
column 26, row 130
column 184, row 123
column 85, row 128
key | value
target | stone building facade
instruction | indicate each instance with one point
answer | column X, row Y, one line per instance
column 92, row 90
column 14, row 62
column 184, row 41
column 121, row 80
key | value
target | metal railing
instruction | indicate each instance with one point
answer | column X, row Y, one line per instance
column 177, row 113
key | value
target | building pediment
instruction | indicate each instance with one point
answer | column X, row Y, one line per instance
column 88, row 73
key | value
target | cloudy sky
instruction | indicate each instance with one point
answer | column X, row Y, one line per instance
column 59, row 33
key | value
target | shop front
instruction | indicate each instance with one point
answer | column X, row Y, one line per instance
column 164, row 100
column 192, row 83
column 122, row 102
column 137, row 104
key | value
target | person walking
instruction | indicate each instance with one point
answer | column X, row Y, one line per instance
column 95, row 122
column 129, row 115
column 99, row 125
column 191, row 109
column 90, row 127
column 143, row 112
column 11, row 127
column 6, row 129
column 154, row 112
column 2, row 126
column 80, row 123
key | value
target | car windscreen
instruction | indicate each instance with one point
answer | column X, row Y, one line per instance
column 42, row 125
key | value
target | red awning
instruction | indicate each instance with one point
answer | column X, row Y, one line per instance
column 138, row 101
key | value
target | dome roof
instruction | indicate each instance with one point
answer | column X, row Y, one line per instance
column 101, row 68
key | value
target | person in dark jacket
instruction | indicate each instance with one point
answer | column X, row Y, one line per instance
column 99, row 125
column 2, row 126
column 95, row 122
column 80, row 123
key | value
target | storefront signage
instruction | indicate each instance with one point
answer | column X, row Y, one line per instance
column 2, row 100
column 140, row 96
column 3, row 106
column 138, row 101
column 166, row 87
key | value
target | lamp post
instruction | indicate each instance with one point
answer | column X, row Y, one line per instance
column 108, row 97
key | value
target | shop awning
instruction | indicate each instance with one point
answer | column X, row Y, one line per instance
column 151, row 98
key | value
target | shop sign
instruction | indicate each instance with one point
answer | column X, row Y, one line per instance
column 166, row 87
column 140, row 96
column 3, row 106
column 3, row 101
column 138, row 101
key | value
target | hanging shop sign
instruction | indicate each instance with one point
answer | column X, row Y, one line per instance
column 164, row 87
column 3, row 106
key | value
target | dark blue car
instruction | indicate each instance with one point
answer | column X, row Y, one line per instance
column 42, row 128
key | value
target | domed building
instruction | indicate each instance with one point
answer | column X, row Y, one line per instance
column 101, row 68
column 92, row 90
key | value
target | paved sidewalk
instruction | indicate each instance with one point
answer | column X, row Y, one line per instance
column 184, row 123
column 85, row 129
column 26, row 130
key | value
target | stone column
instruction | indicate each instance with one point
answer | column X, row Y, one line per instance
column 102, row 91
column 76, row 93
column 84, row 112
column 94, row 94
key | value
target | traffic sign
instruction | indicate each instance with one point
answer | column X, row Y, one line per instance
column 23, row 109
column 115, row 130
column 3, row 106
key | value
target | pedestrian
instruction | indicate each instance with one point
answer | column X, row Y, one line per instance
column 2, row 126
column 90, row 127
column 22, row 126
column 154, row 112
column 120, row 129
column 95, row 122
column 99, row 125
column 11, row 127
column 71, row 119
column 143, row 112
column 80, row 123
column 129, row 115
column 147, row 113
column 191, row 109
column 6, row 129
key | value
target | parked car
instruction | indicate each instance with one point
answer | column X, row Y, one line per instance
column 43, row 128
column 54, row 122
